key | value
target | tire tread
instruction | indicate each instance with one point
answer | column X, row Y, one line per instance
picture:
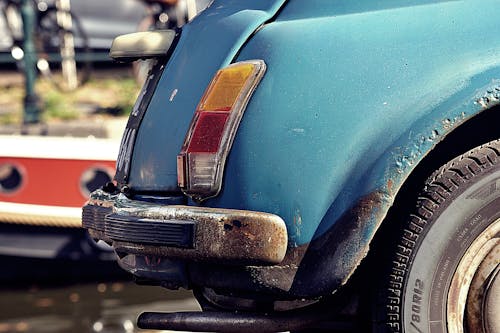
column 439, row 186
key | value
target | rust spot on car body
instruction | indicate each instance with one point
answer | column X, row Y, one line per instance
column 389, row 185
column 311, row 270
column 254, row 244
column 332, row 258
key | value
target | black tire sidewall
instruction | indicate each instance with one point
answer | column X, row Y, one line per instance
column 470, row 209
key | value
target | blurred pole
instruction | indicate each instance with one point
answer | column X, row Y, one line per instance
column 67, row 48
column 191, row 9
column 31, row 100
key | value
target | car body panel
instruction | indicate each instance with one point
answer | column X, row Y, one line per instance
column 358, row 120
column 202, row 49
column 361, row 112
column 355, row 95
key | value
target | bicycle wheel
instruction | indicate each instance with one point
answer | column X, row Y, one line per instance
column 62, row 50
column 162, row 16
column 13, row 24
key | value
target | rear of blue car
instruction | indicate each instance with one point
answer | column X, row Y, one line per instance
column 278, row 147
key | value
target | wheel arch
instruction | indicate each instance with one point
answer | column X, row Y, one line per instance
column 419, row 200
column 343, row 248
column 474, row 132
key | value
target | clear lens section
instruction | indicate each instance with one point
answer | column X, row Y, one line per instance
column 202, row 169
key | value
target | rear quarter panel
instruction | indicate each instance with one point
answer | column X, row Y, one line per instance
column 355, row 95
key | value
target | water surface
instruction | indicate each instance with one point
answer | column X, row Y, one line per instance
column 92, row 307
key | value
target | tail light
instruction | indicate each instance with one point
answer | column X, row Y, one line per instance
column 200, row 164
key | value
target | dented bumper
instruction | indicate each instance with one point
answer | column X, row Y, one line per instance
column 184, row 232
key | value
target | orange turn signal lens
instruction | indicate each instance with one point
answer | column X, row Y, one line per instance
column 225, row 88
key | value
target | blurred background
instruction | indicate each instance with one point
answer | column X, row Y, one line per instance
column 63, row 107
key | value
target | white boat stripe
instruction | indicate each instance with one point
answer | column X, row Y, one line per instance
column 58, row 147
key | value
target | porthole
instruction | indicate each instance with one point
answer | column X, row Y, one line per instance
column 11, row 178
column 93, row 179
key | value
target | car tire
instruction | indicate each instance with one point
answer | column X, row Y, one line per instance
column 443, row 276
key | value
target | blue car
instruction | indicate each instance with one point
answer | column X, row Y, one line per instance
column 315, row 165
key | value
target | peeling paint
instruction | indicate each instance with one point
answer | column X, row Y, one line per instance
column 389, row 185
column 407, row 158
column 279, row 276
column 297, row 223
column 491, row 98
column 319, row 267
column 298, row 130
column 332, row 258
column 433, row 137
column 173, row 94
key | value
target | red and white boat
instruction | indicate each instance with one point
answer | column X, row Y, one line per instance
column 44, row 181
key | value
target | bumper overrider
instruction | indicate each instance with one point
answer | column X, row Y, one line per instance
column 187, row 233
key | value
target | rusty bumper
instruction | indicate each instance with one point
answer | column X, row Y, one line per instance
column 186, row 232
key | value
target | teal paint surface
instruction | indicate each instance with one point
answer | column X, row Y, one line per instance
column 208, row 43
column 355, row 94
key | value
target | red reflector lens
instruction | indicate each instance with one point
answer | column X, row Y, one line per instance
column 208, row 132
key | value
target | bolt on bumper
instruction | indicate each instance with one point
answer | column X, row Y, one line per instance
column 185, row 232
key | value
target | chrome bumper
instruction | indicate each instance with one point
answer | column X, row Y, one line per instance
column 185, row 232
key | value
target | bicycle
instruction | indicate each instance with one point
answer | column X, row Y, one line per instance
column 162, row 15
column 57, row 31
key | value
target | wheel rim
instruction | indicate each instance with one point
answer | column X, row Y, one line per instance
column 472, row 297
column 491, row 307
